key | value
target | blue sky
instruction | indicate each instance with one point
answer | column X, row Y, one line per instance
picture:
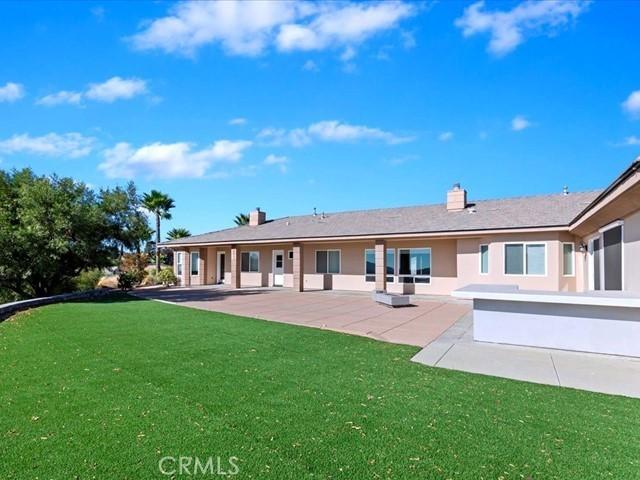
column 339, row 106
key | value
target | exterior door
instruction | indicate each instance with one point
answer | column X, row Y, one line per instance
column 221, row 267
column 605, row 260
column 612, row 252
column 278, row 268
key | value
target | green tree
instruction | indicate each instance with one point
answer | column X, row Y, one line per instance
column 129, row 226
column 51, row 229
column 176, row 233
column 241, row 219
column 159, row 204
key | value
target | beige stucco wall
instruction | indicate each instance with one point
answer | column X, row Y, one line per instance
column 454, row 264
column 468, row 258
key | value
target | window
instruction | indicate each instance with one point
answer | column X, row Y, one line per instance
column 414, row 265
column 195, row 263
column 327, row 261
column 484, row 259
column 568, row 259
column 370, row 264
column 250, row 262
column 290, row 254
column 179, row 262
column 525, row 259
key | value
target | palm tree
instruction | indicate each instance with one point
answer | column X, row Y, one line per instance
column 159, row 204
column 241, row 219
column 176, row 233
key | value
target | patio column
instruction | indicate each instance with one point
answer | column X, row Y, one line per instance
column 298, row 267
column 186, row 268
column 381, row 265
column 203, row 266
column 235, row 267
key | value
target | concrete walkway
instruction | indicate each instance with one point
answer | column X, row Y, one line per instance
column 348, row 312
column 456, row 349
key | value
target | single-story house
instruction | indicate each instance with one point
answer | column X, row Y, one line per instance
column 570, row 241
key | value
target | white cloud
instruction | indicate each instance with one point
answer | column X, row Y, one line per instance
column 279, row 161
column 343, row 26
column 445, row 136
column 335, row 131
column 99, row 13
column 310, row 66
column 508, row 29
column 11, row 92
column 116, row 88
column 168, row 160
column 297, row 137
column 242, row 28
column 73, row 145
column 519, row 122
column 238, row 121
column 59, row 98
column 632, row 104
column 630, row 141
column 250, row 28
column 328, row 131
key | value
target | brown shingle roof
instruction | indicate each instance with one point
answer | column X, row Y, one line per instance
column 555, row 210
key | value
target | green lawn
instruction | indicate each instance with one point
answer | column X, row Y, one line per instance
column 105, row 390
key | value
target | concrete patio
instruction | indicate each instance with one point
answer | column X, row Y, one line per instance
column 348, row 312
column 457, row 350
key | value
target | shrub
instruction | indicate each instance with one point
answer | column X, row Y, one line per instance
column 126, row 280
column 135, row 264
column 167, row 277
column 87, row 280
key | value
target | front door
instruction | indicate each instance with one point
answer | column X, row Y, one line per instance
column 278, row 268
column 220, row 267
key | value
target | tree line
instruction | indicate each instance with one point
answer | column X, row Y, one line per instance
column 52, row 229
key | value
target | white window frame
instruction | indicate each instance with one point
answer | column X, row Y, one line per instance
column 290, row 254
column 428, row 277
column 387, row 252
column 573, row 259
column 480, row 259
column 249, row 253
column 191, row 264
column 524, row 260
column 179, row 264
column 315, row 260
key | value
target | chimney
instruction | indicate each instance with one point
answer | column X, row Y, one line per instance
column 456, row 199
column 257, row 217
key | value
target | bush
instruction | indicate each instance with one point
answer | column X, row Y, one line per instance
column 167, row 277
column 87, row 280
column 135, row 264
column 126, row 280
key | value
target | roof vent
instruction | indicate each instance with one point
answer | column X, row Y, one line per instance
column 257, row 217
column 456, row 198
column 314, row 212
column 565, row 190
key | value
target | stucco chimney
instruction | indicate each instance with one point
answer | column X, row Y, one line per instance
column 257, row 217
column 456, row 199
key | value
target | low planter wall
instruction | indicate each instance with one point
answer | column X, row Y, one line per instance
column 8, row 309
